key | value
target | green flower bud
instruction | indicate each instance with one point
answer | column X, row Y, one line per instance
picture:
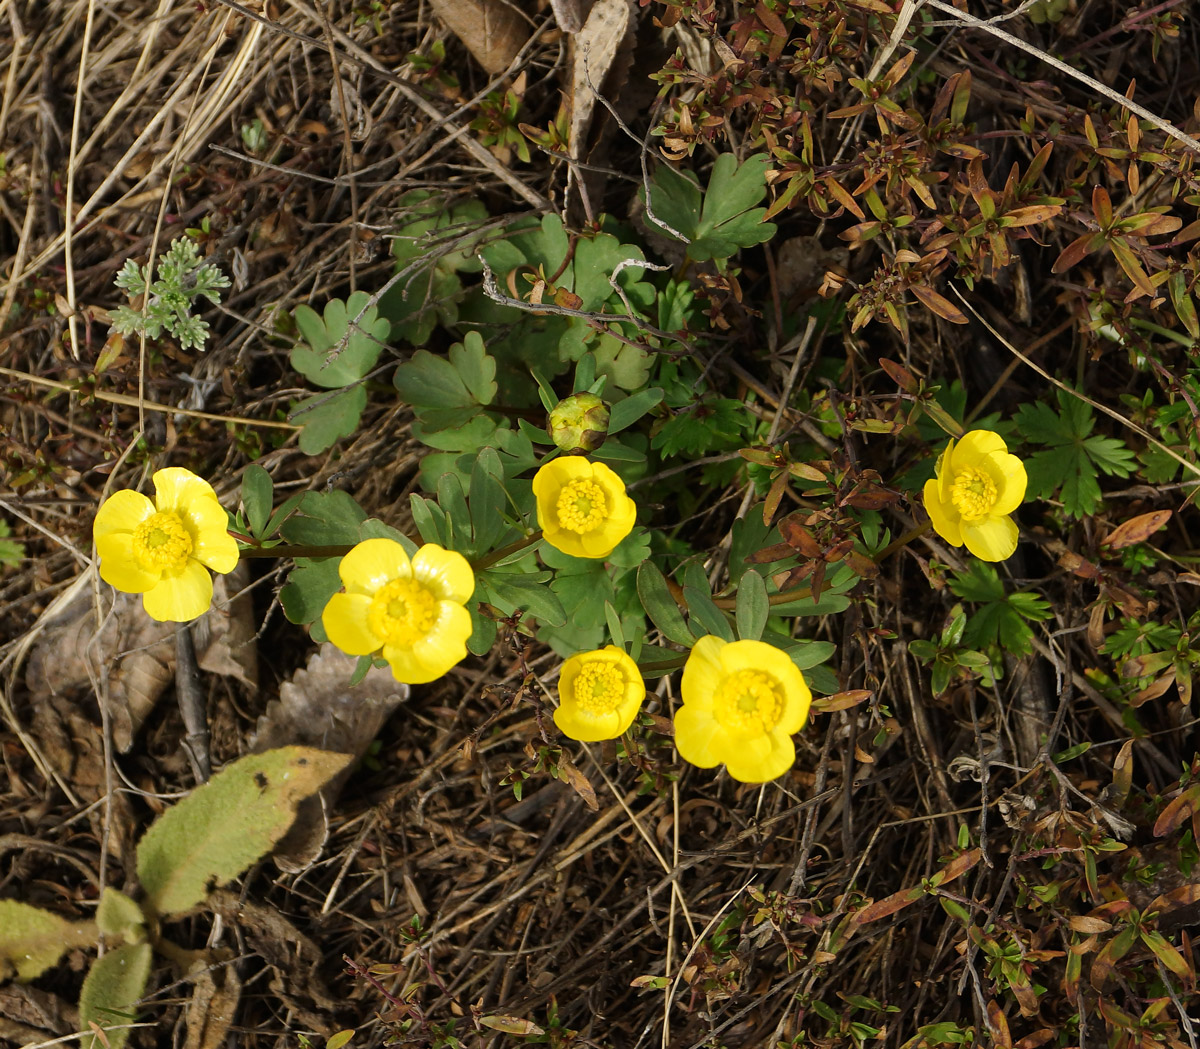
column 579, row 423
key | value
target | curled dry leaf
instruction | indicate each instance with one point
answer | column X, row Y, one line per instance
column 492, row 30
column 138, row 654
column 317, row 709
column 596, row 47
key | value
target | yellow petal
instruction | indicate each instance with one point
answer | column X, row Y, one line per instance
column 699, row 739
column 946, row 519
column 176, row 489
column 588, row 726
column 180, row 596
column 122, row 511
column 945, row 472
column 212, row 545
column 563, row 540
column 974, row 447
column 1008, row 474
column 761, row 759
column 345, row 621
column 600, row 543
column 991, row 538
column 758, row 655
column 446, row 572
column 372, row 563
column 446, row 643
column 118, row 566
column 702, row 673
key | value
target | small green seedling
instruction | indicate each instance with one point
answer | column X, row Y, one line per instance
column 182, row 279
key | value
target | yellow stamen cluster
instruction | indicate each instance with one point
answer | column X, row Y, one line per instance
column 402, row 612
column 973, row 493
column 748, row 701
column 599, row 688
column 162, row 541
column 581, row 506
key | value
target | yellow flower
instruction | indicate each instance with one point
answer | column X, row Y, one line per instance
column 412, row 611
column 582, row 507
column 978, row 485
column 163, row 549
column 742, row 701
column 599, row 694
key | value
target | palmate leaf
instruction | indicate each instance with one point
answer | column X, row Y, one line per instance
column 1075, row 458
column 324, row 358
column 1001, row 617
column 727, row 219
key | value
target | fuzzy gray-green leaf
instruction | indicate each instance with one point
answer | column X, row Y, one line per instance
column 112, row 988
column 219, row 830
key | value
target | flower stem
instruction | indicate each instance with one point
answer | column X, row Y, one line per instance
column 662, row 666
column 295, row 551
column 486, row 562
column 904, row 540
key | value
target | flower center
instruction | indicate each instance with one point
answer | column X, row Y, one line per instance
column 748, row 702
column 582, row 506
column 599, row 688
column 973, row 494
column 402, row 612
column 162, row 541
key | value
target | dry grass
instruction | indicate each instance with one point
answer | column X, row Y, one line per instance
column 129, row 117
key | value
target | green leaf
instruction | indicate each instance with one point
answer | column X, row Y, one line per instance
column 309, row 587
column 1075, row 459
column 257, row 496
column 625, row 413
column 728, row 219
column 221, row 828
column 753, row 606
column 429, row 519
column 118, row 916
column 32, row 940
column 112, row 988
column 530, row 593
column 446, row 393
column 632, row 550
column 483, row 632
column 615, row 630
column 660, row 606
column 326, row 418
column 487, row 501
column 1001, row 618
column 807, row 654
column 324, row 519
column 702, row 610
column 315, row 358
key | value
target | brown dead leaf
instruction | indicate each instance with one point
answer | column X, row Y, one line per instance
column 138, row 654
column 215, row 996
column 596, row 46
column 318, row 708
column 1137, row 529
column 492, row 30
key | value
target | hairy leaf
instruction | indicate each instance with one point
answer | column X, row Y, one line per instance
column 32, row 940
column 113, row 986
column 215, row 833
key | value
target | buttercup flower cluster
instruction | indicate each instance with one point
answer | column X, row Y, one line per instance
column 742, row 702
column 978, row 484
